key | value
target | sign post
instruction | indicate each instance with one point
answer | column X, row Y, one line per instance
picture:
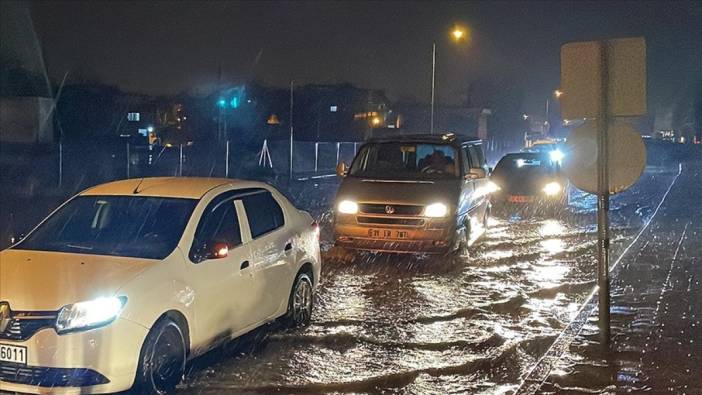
column 603, row 80
column 603, row 204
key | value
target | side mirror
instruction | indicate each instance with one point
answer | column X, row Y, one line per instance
column 210, row 251
column 476, row 173
column 341, row 169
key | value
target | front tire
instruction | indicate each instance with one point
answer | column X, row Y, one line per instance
column 301, row 302
column 162, row 359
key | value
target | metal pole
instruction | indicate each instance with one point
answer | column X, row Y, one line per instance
column 548, row 121
column 355, row 150
column 291, row 129
column 338, row 148
column 180, row 161
column 316, row 155
column 603, row 206
column 60, row 166
column 226, row 162
column 127, row 159
column 433, row 78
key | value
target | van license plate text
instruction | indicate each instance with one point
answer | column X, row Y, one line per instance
column 14, row 354
column 388, row 234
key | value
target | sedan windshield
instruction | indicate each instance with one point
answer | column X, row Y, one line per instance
column 406, row 161
column 132, row 226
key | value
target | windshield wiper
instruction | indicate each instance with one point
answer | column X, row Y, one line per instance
column 79, row 247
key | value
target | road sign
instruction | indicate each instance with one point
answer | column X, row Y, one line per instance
column 602, row 80
column 582, row 73
column 626, row 157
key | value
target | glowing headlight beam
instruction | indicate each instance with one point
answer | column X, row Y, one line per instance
column 436, row 210
column 89, row 314
column 556, row 155
column 552, row 188
column 347, row 207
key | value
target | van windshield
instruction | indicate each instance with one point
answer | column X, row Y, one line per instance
column 396, row 160
column 132, row 226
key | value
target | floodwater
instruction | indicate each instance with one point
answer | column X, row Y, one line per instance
column 414, row 324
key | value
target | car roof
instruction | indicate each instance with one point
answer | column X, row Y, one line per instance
column 426, row 138
column 175, row 187
column 526, row 155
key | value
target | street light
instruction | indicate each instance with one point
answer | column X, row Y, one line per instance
column 557, row 93
column 458, row 34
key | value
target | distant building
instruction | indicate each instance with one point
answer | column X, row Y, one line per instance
column 416, row 118
column 26, row 119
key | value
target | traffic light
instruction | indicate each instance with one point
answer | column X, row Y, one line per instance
column 152, row 138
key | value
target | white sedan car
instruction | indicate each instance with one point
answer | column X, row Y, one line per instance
column 126, row 281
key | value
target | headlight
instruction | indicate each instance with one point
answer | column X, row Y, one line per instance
column 492, row 187
column 348, row 207
column 556, row 155
column 90, row 314
column 436, row 210
column 552, row 188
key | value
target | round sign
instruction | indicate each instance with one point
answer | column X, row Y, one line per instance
column 626, row 152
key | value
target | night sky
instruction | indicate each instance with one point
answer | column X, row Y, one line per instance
column 168, row 47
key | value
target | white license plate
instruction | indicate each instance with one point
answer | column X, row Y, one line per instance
column 14, row 354
column 391, row 234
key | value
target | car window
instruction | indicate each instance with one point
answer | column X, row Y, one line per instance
column 264, row 213
column 405, row 160
column 476, row 156
column 219, row 224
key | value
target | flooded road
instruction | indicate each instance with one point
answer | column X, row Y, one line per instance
column 414, row 324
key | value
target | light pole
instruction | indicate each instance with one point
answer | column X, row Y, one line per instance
column 458, row 34
column 291, row 128
column 557, row 93
column 433, row 82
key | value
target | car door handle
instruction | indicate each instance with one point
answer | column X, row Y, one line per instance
column 244, row 265
column 288, row 247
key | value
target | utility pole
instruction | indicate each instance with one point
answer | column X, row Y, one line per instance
column 291, row 128
column 433, row 80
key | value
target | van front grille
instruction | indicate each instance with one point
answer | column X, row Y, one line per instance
column 390, row 209
column 390, row 221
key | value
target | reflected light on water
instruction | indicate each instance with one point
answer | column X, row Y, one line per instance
column 549, row 273
column 551, row 227
column 553, row 246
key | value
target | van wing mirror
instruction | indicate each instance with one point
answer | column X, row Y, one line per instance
column 476, row 173
column 342, row 169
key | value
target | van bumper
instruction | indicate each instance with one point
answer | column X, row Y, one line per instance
column 435, row 238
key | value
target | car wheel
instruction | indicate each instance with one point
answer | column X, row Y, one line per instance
column 462, row 241
column 300, row 303
column 162, row 359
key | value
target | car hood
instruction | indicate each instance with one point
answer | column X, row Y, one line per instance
column 399, row 191
column 47, row 281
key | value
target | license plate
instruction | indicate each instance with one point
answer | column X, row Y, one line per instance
column 391, row 234
column 519, row 199
column 14, row 354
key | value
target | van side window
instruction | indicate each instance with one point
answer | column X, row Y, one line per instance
column 477, row 159
column 264, row 213
column 219, row 224
column 466, row 160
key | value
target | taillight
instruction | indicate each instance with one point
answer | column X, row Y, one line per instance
column 316, row 230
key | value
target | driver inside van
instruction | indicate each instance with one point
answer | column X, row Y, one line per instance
column 437, row 162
